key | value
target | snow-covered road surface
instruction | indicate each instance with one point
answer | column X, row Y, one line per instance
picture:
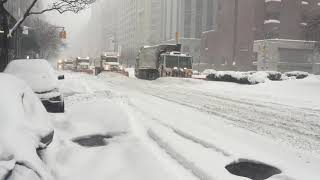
column 189, row 129
column 90, row 110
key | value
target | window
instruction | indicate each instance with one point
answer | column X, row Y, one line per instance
column 210, row 13
column 199, row 9
column 187, row 19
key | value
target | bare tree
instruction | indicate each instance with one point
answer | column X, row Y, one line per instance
column 60, row 6
column 45, row 35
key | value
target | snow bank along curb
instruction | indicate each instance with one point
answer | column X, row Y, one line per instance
column 253, row 77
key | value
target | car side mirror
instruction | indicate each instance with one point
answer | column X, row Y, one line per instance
column 61, row 77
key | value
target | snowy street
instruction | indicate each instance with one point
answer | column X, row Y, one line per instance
column 160, row 90
column 185, row 129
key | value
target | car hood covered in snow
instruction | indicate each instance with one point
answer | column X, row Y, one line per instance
column 23, row 121
column 38, row 74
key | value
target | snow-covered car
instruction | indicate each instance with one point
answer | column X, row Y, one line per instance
column 41, row 77
column 25, row 131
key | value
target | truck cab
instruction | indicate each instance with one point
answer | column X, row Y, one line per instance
column 83, row 65
column 110, row 61
column 175, row 64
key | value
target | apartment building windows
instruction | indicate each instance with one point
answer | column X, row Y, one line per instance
column 187, row 18
column 199, row 10
column 210, row 12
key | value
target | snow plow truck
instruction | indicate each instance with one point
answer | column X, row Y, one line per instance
column 164, row 60
column 109, row 61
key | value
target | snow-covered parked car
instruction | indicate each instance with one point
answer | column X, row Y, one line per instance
column 25, row 131
column 41, row 77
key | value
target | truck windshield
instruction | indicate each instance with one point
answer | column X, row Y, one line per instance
column 110, row 59
column 172, row 61
column 179, row 62
column 185, row 62
column 83, row 61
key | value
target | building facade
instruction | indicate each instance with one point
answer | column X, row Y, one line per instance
column 14, row 10
column 130, row 24
column 285, row 55
column 229, row 46
column 285, row 19
column 188, row 18
column 239, row 22
column 285, row 33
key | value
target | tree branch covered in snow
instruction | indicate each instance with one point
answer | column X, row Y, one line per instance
column 60, row 6
column 63, row 6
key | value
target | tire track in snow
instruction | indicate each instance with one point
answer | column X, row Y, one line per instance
column 258, row 120
column 178, row 157
column 298, row 127
column 196, row 140
column 185, row 135
column 171, row 150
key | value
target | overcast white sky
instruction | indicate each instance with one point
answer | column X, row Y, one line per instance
column 72, row 22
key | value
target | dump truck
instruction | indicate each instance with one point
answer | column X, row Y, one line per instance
column 165, row 60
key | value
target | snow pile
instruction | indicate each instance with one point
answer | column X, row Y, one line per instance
column 38, row 73
column 208, row 71
column 131, row 72
column 102, row 117
column 297, row 74
column 24, row 121
column 252, row 77
column 258, row 77
column 238, row 77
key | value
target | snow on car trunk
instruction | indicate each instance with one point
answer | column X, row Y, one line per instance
column 38, row 73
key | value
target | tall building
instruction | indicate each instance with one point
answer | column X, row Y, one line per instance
column 188, row 18
column 126, row 25
column 229, row 46
column 284, row 19
column 139, row 25
column 289, row 26
column 18, row 7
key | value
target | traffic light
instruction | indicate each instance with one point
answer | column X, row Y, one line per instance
column 63, row 34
